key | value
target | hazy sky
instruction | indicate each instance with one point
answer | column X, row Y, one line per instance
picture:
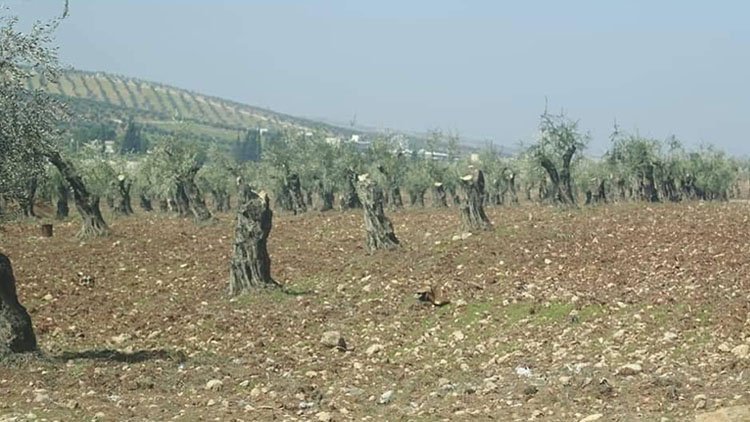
column 481, row 68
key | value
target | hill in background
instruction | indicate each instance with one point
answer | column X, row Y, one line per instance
column 98, row 98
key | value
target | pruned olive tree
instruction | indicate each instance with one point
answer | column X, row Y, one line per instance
column 472, row 212
column 378, row 228
column 250, row 267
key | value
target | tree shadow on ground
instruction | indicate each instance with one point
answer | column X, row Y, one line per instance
column 125, row 357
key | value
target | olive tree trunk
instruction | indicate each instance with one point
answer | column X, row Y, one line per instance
column 195, row 199
column 326, row 196
column 222, row 199
column 146, row 203
column 250, row 266
column 26, row 200
column 379, row 229
column 416, row 197
column 63, row 195
column 439, row 197
column 295, row 189
column 349, row 197
column 396, row 201
column 473, row 216
column 16, row 331
column 93, row 223
column 123, row 205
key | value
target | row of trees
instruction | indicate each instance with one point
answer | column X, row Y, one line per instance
column 303, row 172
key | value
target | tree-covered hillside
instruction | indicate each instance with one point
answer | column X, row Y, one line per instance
column 102, row 103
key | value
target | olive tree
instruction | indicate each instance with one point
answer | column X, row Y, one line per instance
column 635, row 159
column 555, row 151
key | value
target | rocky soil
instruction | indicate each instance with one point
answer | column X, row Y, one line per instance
column 615, row 313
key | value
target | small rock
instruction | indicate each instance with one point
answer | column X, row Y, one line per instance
column 630, row 369
column 742, row 351
column 458, row 336
column 311, row 374
column 72, row 405
column 489, row 386
column 255, row 392
column 565, row 380
column 48, row 297
column 592, row 418
column 523, row 371
column 700, row 401
column 324, row 416
column 214, row 385
column 331, row 339
column 669, row 336
column 99, row 416
column 41, row 397
column 386, row 397
column 723, row 347
column 618, row 334
column 210, row 403
column 375, row 348
column 245, row 384
column 120, row 339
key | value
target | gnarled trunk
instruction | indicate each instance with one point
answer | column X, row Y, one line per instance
column 123, row 206
column 221, row 200
column 396, row 201
column 416, row 197
column 250, row 266
column 326, row 196
column 16, row 331
column 349, row 198
column 145, row 203
column 648, row 185
column 195, row 199
column 63, row 195
column 562, row 184
column 378, row 227
column 93, row 223
column 295, row 189
column 510, row 177
column 26, row 201
column 473, row 216
column 439, row 197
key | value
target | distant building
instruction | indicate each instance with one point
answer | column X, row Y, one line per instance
column 434, row 155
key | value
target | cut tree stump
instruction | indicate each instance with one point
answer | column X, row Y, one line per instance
column 16, row 331
column 251, row 265
column 379, row 229
column 46, row 230
column 473, row 216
